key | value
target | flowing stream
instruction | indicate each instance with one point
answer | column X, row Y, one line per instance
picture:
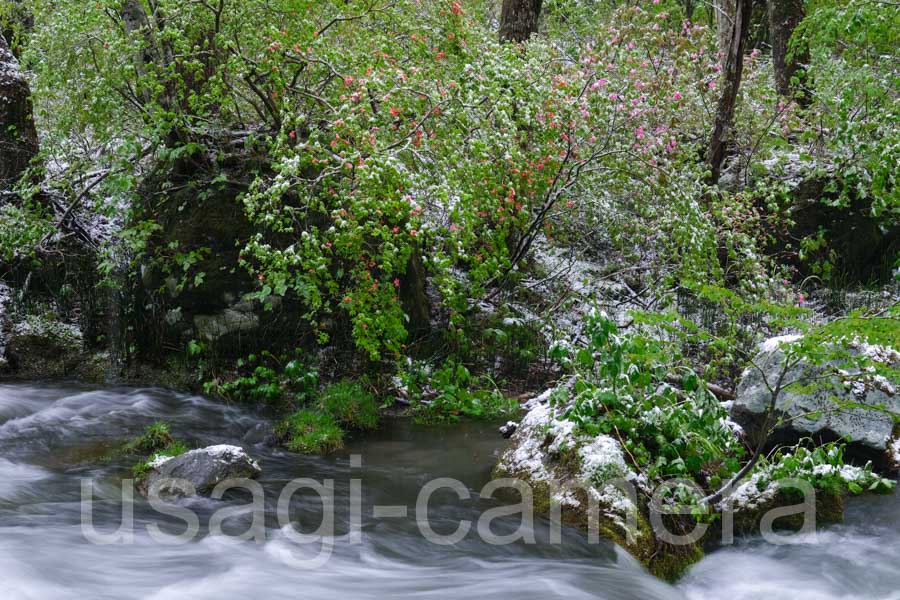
column 54, row 437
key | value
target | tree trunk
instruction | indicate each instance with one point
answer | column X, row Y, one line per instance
column 414, row 298
column 784, row 17
column 519, row 19
column 18, row 136
column 724, row 11
column 734, row 68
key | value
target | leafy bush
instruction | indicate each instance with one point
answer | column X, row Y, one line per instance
column 21, row 230
column 460, row 394
column 310, row 431
column 350, row 404
column 267, row 381
column 622, row 390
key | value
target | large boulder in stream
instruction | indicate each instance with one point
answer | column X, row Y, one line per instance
column 561, row 467
column 203, row 468
column 830, row 402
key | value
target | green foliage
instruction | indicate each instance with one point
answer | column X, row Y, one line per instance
column 824, row 468
column 155, row 438
column 265, row 379
column 457, row 393
column 310, row 431
column 140, row 470
column 853, row 46
column 622, row 390
column 22, row 227
column 350, row 404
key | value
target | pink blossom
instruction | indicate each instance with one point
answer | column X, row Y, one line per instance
column 676, row 96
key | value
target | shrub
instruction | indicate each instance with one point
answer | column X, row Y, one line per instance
column 350, row 404
column 310, row 431
column 459, row 393
column 262, row 378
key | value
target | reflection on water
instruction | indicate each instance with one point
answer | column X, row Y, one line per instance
column 51, row 437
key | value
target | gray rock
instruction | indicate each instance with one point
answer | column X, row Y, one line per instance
column 820, row 410
column 213, row 327
column 204, row 468
column 43, row 348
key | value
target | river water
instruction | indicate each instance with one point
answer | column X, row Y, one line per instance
column 54, row 438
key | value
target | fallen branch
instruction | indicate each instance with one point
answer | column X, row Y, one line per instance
column 716, row 390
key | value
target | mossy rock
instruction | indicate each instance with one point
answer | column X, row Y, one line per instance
column 665, row 561
column 44, row 348
column 829, row 510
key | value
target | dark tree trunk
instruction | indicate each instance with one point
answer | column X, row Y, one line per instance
column 519, row 19
column 734, row 68
column 784, row 17
column 18, row 136
column 414, row 298
column 688, row 9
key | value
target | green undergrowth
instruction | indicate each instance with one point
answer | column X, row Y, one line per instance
column 451, row 392
column 350, row 404
column 316, row 417
column 310, row 431
column 639, row 394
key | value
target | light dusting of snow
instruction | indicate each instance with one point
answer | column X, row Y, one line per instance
column 224, row 452
column 772, row 344
column 159, row 460
column 748, row 496
column 894, row 449
column 880, row 354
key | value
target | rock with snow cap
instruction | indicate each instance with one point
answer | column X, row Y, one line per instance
column 831, row 401
column 203, row 468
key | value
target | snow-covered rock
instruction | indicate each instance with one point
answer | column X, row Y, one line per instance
column 547, row 450
column 204, row 468
column 828, row 402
